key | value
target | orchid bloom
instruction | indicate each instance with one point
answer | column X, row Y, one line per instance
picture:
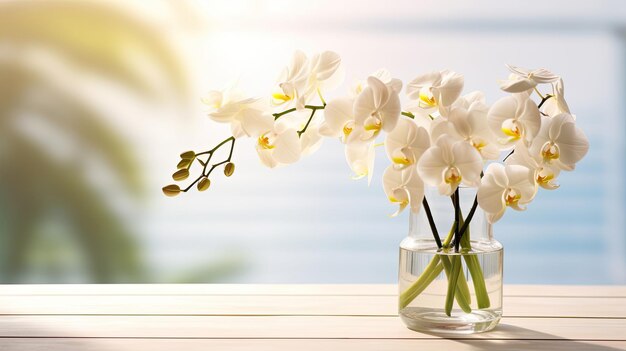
column 384, row 76
column 560, row 142
column 245, row 115
column 435, row 89
column 523, row 79
column 338, row 119
column 360, row 157
column 303, row 78
column 556, row 104
column 448, row 163
column 469, row 125
column 403, row 187
column 505, row 186
column 474, row 98
column 279, row 145
column 406, row 144
column 545, row 174
column 376, row 108
column 514, row 118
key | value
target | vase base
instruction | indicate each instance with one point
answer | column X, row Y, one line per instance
column 437, row 322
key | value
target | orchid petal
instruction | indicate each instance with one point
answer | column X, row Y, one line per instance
column 336, row 114
column 287, row 147
column 469, row 162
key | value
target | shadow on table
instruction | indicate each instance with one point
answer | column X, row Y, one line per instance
column 528, row 339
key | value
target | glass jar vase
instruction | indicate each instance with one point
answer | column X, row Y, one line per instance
column 442, row 290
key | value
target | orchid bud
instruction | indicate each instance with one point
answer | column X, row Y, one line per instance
column 204, row 184
column 181, row 174
column 188, row 155
column 229, row 169
column 184, row 163
column 171, row 190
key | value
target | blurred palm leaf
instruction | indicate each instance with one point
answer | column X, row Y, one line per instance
column 100, row 39
column 92, row 35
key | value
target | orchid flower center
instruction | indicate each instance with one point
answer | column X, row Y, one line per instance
column 400, row 196
column 512, row 128
column 373, row 123
column 400, row 158
column 544, row 177
column 280, row 97
column 348, row 128
column 266, row 141
column 452, row 175
column 478, row 144
column 550, row 151
column 427, row 98
column 512, row 197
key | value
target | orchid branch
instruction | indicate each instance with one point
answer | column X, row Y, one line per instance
column 293, row 109
column 187, row 159
column 300, row 132
column 431, row 222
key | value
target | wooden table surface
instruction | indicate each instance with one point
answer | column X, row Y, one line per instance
column 292, row 317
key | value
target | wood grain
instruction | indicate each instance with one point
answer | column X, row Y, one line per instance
column 288, row 317
column 342, row 305
column 288, row 289
column 292, row 327
column 63, row 344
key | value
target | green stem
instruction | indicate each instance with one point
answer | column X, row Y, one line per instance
column 408, row 114
column 473, row 265
column 482, row 296
column 429, row 274
column 309, row 107
column 300, row 132
column 453, row 279
column 460, row 286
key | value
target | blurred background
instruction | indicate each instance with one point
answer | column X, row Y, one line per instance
column 98, row 98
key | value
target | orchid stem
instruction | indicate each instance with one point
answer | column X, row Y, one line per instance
column 408, row 114
column 431, row 222
column 543, row 100
column 308, row 107
column 300, row 132
column 206, row 163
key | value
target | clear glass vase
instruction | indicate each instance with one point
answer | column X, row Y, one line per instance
column 428, row 301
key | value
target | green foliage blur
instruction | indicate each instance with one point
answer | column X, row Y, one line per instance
column 56, row 226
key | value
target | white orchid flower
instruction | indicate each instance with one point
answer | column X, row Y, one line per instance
column 466, row 101
column 469, row 125
column 302, row 79
column 384, row 76
column 406, row 144
column 545, row 174
column 376, row 108
column 436, row 89
column 338, row 119
column 448, row 163
column 292, row 82
column 247, row 117
column 279, row 145
column 514, row 118
column 560, row 142
column 556, row 104
column 324, row 72
column 403, row 187
column 505, row 186
column 360, row 157
column 523, row 79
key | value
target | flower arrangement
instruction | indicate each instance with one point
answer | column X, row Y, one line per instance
column 438, row 138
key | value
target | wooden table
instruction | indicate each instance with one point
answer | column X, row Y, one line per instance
column 291, row 317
